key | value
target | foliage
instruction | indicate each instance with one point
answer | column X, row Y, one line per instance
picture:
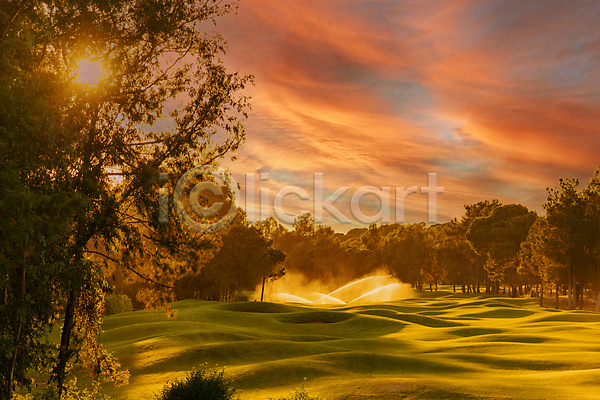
column 116, row 304
column 62, row 213
column 572, row 233
column 199, row 385
column 270, row 229
column 499, row 235
column 70, row 392
column 35, row 210
column 304, row 224
column 242, row 259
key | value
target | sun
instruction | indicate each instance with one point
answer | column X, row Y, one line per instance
column 89, row 71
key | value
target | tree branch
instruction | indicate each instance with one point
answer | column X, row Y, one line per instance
column 131, row 269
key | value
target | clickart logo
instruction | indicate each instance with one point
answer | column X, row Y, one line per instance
column 203, row 180
column 201, row 184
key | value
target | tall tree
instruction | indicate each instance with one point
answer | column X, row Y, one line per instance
column 270, row 228
column 571, row 233
column 454, row 253
column 592, row 194
column 480, row 209
column 304, row 224
column 152, row 52
column 408, row 253
column 35, row 211
column 243, row 261
column 534, row 262
column 500, row 235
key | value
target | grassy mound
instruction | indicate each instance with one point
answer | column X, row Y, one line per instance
column 257, row 307
column 468, row 332
column 315, row 317
column 438, row 346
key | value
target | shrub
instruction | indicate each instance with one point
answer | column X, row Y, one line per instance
column 115, row 304
column 199, row 385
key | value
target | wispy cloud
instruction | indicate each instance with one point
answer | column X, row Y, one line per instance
column 500, row 98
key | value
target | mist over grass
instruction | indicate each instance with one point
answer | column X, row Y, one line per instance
column 440, row 345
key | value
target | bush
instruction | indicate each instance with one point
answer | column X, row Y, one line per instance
column 199, row 385
column 116, row 304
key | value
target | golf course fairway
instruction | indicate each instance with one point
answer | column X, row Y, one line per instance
column 437, row 346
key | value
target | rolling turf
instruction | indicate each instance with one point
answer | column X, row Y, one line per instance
column 439, row 346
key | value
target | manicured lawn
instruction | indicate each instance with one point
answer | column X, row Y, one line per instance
column 438, row 346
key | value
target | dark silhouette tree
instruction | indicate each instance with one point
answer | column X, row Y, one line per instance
column 570, row 239
column 480, row 209
column 500, row 235
column 243, row 261
column 86, row 134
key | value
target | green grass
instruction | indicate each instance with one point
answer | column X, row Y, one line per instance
column 439, row 346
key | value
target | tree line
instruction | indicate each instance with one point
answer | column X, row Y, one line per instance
column 494, row 248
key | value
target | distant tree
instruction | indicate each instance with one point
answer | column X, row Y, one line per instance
column 244, row 259
column 500, row 235
column 480, row 209
column 279, row 257
column 454, row 254
column 270, row 229
column 408, row 252
column 533, row 260
column 592, row 194
column 314, row 257
column 572, row 234
column 304, row 224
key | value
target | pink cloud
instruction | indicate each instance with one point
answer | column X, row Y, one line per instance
column 499, row 98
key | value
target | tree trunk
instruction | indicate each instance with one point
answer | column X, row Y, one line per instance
column 262, row 293
column 598, row 298
column 13, row 361
column 598, row 275
column 65, row 353
column 477, row 275
column 542, row 295
column 557, row 304
column 571, row 306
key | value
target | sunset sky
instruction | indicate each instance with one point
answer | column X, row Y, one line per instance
column 499, row 98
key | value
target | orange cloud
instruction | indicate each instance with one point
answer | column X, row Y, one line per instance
column 500, row 98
